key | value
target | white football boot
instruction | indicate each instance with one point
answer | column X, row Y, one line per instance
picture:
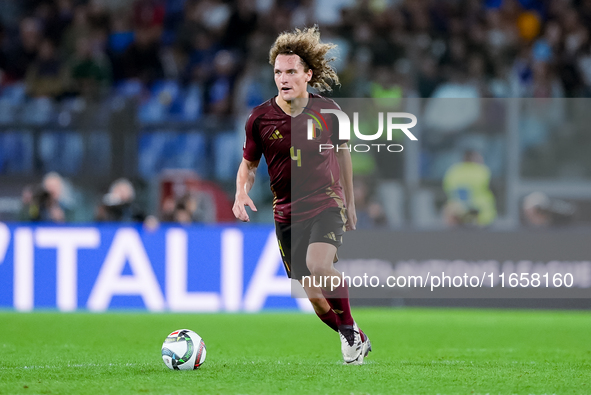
column 352, row 346
column 366, row 348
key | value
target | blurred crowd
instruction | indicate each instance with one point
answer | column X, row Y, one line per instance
column 470, row 202
column 216, row 53
column 499, row 48
column 54, row 200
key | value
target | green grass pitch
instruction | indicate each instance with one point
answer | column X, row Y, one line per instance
column 416, row 351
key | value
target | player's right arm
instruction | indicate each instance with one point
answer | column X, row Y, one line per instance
column 248, row 167
column 244, row 183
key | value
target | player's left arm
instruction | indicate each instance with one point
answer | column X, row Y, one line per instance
column 346, row 178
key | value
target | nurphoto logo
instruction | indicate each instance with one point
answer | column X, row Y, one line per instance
column 345, row 130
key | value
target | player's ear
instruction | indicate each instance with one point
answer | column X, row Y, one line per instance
column 309, row 75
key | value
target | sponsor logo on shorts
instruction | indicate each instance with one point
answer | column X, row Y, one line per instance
column 331, row 236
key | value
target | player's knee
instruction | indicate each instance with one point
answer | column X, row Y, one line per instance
column 319, row 270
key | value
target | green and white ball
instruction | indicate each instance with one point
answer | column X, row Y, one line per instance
column 183, row 350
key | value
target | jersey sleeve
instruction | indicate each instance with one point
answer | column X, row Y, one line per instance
column 252, row 149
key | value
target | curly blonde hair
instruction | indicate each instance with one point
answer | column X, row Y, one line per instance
column 306, row 44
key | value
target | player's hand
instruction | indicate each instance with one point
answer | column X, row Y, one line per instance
column 351, row 218
column 239, row 208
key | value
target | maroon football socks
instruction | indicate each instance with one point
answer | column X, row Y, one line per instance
column 338, row 299
column 331, row 319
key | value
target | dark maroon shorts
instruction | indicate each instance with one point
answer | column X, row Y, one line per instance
column 294, row 238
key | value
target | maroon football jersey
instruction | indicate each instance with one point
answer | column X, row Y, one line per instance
column 304, row 180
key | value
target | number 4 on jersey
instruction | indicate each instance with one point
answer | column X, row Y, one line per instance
column 296, row 155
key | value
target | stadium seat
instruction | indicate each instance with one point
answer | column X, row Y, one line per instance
column 15, row 93
column 173, row 150
column 129, row 88
column 7, row 111
column 166, row 98
column 98, row 152
column 16, row 152
column 151, row 111
column 61, row 151
column 192, row 103
column 227, row 148
column 38, row 111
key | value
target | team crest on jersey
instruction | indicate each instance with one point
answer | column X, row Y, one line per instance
column 316, row 124
column 315, row 133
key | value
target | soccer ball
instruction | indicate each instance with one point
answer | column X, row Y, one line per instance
column 183, row 350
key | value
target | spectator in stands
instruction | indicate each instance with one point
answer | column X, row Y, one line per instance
column 470, row 201
column 201, row 57
column 189, row 208
column 242, row 22
column 90, row 71
column 119, row 204
column 46, row 202
column 541, row 211
column 188, row 29
column 370, row 212
column 185, row 209
column 428, row 77
column 142, row 60
column 545, row 83
column 47, row 76
column 79, row 28
column 20, row 55
column 27, row 195
column 385, row 85
column 99, row 17
column 120, row 38
column 167, row 209
column 219, row 88
column 60, row 191
column 54, row 17
column 2, row 54
column 44, row 208
column 148, row 14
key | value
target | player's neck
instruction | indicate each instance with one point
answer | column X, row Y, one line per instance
column 293, row 107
